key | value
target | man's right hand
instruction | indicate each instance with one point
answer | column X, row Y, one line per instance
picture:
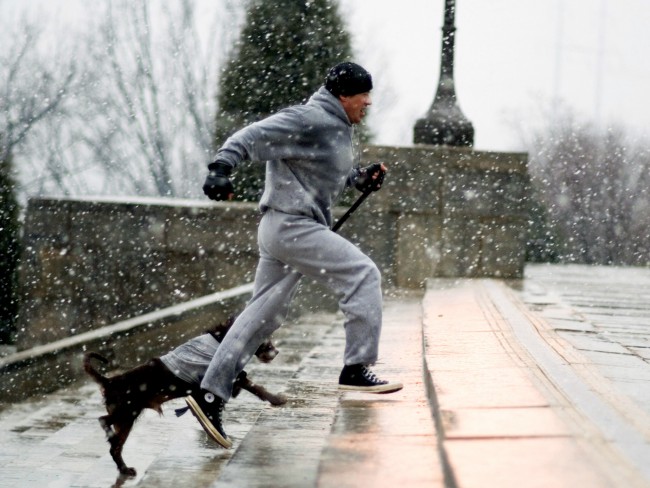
column 217, row 185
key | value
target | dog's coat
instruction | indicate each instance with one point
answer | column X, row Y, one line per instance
column 149, row 386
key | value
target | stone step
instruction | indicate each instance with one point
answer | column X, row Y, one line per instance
column 503, row 415
column 322, row 437
column 479, row 408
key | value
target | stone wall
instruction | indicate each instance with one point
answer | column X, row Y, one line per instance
column 91, row 262
column 88, row 263
column 460, row 212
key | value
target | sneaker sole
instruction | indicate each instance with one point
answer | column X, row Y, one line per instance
column 206, row 424
column 389, row 388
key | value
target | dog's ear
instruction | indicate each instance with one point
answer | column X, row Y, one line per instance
column 266, row 352
column 242, row 378
column 218, row 334
column 219, row 331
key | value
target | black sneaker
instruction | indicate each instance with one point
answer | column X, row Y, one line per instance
column 359, row 378
column 207, row 408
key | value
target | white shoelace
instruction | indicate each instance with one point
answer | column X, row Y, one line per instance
column 369, row 375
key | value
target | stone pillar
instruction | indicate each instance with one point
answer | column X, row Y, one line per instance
column 444, row 123
column 459, row 212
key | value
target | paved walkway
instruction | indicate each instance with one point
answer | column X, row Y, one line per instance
column 322, row 437
column 506, row 414
column 505, row 395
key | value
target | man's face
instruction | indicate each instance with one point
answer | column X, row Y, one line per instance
column 355, row 106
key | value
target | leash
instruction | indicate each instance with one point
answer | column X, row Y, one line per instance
column 351, row 210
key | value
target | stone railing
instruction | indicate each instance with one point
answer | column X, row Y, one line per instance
column 92, row 262
column 48, row 367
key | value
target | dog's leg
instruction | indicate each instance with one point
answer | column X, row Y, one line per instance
column 261, row 392
column 106, row 424
column 121, row 433
column 116, row 438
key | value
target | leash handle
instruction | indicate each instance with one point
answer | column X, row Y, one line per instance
column 351, row 210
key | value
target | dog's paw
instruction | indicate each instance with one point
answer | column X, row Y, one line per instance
column 278, row 400
column 128, row 472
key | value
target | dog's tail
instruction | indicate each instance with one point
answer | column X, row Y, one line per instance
column 90, row 369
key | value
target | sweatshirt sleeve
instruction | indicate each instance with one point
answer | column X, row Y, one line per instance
column 283, row 135
column 353, row 177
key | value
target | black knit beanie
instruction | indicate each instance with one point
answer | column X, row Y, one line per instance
column 348, row 79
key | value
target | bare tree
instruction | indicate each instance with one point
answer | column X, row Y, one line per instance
column 32, row 91
column 131, row 111
column 33, row 88
column 153, row 96
column 594, row 185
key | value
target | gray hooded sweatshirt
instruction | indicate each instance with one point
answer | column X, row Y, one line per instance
column 308, row 152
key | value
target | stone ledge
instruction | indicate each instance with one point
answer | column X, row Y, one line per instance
column 45, row 368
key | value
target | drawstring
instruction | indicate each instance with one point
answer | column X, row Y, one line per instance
column 356, row 147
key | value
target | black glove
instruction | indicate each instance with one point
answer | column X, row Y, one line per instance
column 370, row 178
column 217, row 185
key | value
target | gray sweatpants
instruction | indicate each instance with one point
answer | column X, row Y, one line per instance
column 291, row 246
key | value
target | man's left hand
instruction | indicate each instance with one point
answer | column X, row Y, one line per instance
column 371, row 177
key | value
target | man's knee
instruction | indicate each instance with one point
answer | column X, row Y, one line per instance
column 367, row 279
column 373, row 275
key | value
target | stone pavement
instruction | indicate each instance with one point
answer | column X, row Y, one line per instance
column 322, row 437
column 504, row 414
column 597, row 320
column 501, row 390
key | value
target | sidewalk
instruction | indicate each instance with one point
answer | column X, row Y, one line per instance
column 322, row 437
column 479, row 408
column 502, row 419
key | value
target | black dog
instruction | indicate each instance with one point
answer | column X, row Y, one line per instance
column 149, row 386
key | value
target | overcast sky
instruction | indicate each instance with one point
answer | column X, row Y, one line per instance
column 513, row 57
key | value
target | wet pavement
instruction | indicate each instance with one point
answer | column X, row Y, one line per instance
column 517, row 404
column 597, row 322
column 542, row 383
